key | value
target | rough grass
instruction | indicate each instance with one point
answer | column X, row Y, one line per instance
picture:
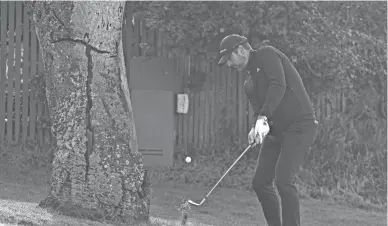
column 26, row 213
column 208, row 166
column 25, row 175
column 20, row 192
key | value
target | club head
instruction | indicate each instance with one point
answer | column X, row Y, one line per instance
column 196, row 204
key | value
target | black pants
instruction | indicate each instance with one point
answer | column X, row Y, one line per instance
column 278, row 162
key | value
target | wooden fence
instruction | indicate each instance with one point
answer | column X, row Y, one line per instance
column 20, row 63
column 216, row 95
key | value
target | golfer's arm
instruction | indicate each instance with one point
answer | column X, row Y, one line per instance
column 255, row 108
column 273, row 68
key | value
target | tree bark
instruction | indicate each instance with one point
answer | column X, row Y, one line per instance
column 97, row 170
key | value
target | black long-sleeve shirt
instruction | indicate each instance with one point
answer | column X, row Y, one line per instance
column 275, row 89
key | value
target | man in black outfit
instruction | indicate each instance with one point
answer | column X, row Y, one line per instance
column 285, row 124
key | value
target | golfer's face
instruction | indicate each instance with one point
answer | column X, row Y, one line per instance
column 236, row 62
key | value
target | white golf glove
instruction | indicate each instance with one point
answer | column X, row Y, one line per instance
column 251, row 137
column 261, row 129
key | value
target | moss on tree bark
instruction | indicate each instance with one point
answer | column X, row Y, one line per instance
column 97, row 170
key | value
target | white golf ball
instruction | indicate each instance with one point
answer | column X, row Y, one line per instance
column 188, row 159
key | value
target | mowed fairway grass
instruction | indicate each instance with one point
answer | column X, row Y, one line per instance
column 21, row 192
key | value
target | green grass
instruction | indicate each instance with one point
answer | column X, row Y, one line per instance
column 20, row 193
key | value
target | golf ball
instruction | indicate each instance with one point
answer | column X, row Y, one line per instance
column 188, row 159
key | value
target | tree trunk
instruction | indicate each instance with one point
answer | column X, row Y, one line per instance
column 97, row 170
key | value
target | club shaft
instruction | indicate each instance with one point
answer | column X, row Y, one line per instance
column 228, row 170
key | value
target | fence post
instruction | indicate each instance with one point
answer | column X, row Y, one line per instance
column 3, row 57
column 18, row 51
column 25, row 75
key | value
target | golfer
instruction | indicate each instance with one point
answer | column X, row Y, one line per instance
column 285, row 124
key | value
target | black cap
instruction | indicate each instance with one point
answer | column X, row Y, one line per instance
column 228, row 44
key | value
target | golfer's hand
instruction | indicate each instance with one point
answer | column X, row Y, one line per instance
column 251, row 137
column 261, row 129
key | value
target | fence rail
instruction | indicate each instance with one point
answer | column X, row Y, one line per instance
column 216, row 95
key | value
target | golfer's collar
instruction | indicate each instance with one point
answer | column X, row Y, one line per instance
column 252, row 61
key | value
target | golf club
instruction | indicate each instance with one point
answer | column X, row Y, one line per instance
column 203, row 200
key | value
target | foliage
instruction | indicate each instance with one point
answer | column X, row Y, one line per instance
column 336, row 47
column 323, row 39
